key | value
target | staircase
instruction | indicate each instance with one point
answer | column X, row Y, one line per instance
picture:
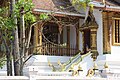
column 39, row 63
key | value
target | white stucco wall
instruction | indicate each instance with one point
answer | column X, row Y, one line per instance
column 80, row 41
column 112, row 59
column 98, row 18
column 115, row 50
column 115, row 53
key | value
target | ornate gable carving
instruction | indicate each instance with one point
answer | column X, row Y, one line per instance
column 90, row 22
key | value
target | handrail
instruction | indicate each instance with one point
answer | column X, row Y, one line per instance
column 72, row 59
column 66, row 66
column 79, row 60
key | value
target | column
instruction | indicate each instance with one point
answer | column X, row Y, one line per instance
column 77, row 37
column 82, row 41
column 106, row 36
column 68, row 36
column 35, row 37
column 40, row 38
column 68, row 39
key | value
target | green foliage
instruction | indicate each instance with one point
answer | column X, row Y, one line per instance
column 29, row 19
column 6, row 22
column 82, row 3
column 2, row 62
column 28, row 6
column 44, row 16
column 4, row 11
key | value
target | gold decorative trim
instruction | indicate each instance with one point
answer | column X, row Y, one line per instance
column 113, row 32
column 90, row 73
column 106, row 65
column 107, row 20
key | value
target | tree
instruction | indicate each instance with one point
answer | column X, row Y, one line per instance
column 22, row 8
column 5, row 37
column 9, row 25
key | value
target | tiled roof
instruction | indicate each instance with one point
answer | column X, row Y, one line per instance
column 55, row 5
column 110, row 5
column 44, row 4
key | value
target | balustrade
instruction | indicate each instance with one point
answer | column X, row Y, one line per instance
column 55, row 50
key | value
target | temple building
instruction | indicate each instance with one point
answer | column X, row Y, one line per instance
column 75, row 40
column 97, row 32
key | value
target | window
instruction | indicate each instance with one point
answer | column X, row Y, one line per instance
column 116, row 31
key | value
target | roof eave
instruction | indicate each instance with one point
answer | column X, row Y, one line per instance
column 106, row 7
column 58, row 12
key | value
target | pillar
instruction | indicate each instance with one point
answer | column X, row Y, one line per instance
column 40, row 38
column 35, row 37
column 77, row 37
column 68, row 39
column 68, row 36
column 106, row 32
column 83, row 40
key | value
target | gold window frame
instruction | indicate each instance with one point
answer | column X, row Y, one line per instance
column 114, row 43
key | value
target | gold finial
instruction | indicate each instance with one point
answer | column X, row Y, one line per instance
column 95, row 66
column 105, row 65
column 71, row 69
column 49, row 63
column 80, row 68
column 59, row 62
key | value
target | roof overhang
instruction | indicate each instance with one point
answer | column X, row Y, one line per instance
column 105, row 6
column 58, row 12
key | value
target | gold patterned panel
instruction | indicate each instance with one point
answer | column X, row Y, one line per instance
column 93, row 36
column 106, row 32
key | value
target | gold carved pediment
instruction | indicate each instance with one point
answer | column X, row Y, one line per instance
column 89, row 23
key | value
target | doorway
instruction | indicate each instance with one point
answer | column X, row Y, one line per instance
column 87, row 40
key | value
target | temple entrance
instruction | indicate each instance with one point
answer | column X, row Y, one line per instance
column 51, row 32
column 86, row 40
